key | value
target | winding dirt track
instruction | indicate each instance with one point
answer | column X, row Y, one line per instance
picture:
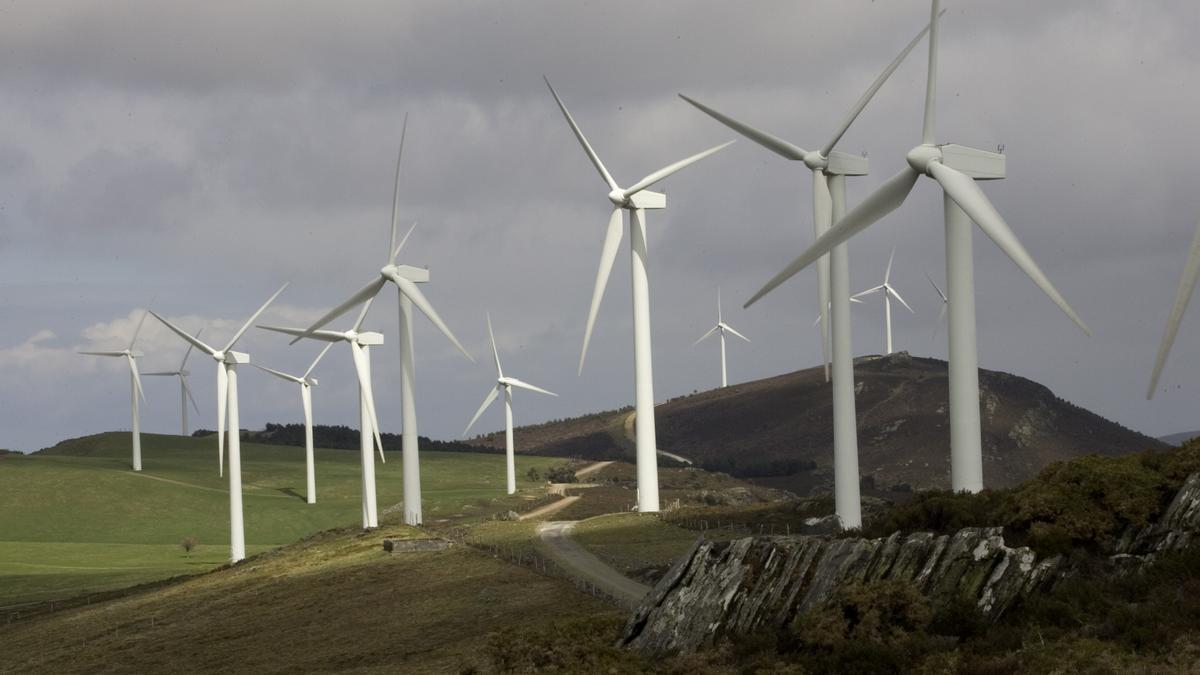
column 556, row 540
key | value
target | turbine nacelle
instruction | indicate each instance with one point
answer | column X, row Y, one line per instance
column 310, row 381
column 232, row 357
column 366, row 338
column 975, row 163
column 642, row 199
column 417, row 275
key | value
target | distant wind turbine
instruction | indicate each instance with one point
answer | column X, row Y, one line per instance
column 636, row 199
column 504, row 384
column 306, row 383
column 889, row 291
column 405, row 278
column 227, row 402
column 720, row 329
column 185, row 392
column 135, row 389
column 945, row 303
column 1187, row 284
column 359, row 341
column 955, row 168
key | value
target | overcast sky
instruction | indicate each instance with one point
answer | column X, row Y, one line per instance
column 204, row 154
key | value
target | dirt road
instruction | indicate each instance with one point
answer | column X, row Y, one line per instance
column 556, row 540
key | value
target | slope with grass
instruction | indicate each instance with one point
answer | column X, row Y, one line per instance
column 77, row 520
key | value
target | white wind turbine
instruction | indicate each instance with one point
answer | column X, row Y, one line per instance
column 889, row 291
column 359, row 341
column 227, row 362
column 406, row 278
column 185, row 392
column 829, row 170
column 504, row 384
column 955, row 168
column 1187, row 284
column 720, row 329
column 635, row 199
column 306, row 382
column 135, row 389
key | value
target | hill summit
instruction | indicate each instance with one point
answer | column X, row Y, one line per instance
column 778, row 431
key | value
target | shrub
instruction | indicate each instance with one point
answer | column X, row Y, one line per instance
column 533, row 474
column 561, row 474
column 188, row 544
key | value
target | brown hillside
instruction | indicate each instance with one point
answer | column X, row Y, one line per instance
column 779, row 430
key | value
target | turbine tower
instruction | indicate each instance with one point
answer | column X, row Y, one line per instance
column 955, row 168
column 1187, row 284
column 829, row 170
column 504, row 384
column 720, row 329
column 637, row 200
column 889, row 291
column 306, row 383
column 227, row 362
column 406, row 278
column 185, row 392
column 359, row 341
column 135, row 389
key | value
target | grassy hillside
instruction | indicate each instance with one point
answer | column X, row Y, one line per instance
column 778, row 431
column 77, row 519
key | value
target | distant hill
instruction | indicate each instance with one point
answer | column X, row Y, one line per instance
column 778, row 431
column 1179, row 438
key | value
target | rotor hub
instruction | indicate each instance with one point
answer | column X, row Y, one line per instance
column 815, row 160
column 618, row 198
column 920, row 157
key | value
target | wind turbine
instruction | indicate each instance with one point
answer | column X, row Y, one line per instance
column 945, row 303
column 955, row 168
column 185, row 392
column 720, row 329
column 829, row 170
column 635, row 199
column 227, row 362
column 406, row 278
column 306, row 383
column 135, row 389
column 1187, row 284
column 504, row 384
column 889, row 291
column 359, row 341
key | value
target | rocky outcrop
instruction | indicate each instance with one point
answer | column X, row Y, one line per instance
column 744, row 585
column 761, row 583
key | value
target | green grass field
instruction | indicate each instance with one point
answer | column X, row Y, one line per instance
column 78, row 520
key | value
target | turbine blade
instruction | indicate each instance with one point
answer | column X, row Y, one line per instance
column 359, row 296
column 672, row 168
column 103, row 353
column 396, row 192
column 525, row 385
column 587, row 147
column 188, row 390
column 887, row 273
column 362, row 314
column 246, row 326
column 188, row 338
column 139, row 326
column 822, row 217
column 316, row 360
column 732, row 330
column 400, row 246
column 487, row 400
column 176, row 372
column 935, row 287
column 710, row 332
column 928, row 135
column 896, row 294
column 325, row 335
column 608, row 255
column 188, row 353
column 495, row 352
column 276, row 373
column 867, row 292
column 137, row 379
column 883, row 201
column 1187, row 284
column 410, row 290
column 364, row 383
column 870, row 92
column 222, row 397
column 768, row 141
column 963, row 190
